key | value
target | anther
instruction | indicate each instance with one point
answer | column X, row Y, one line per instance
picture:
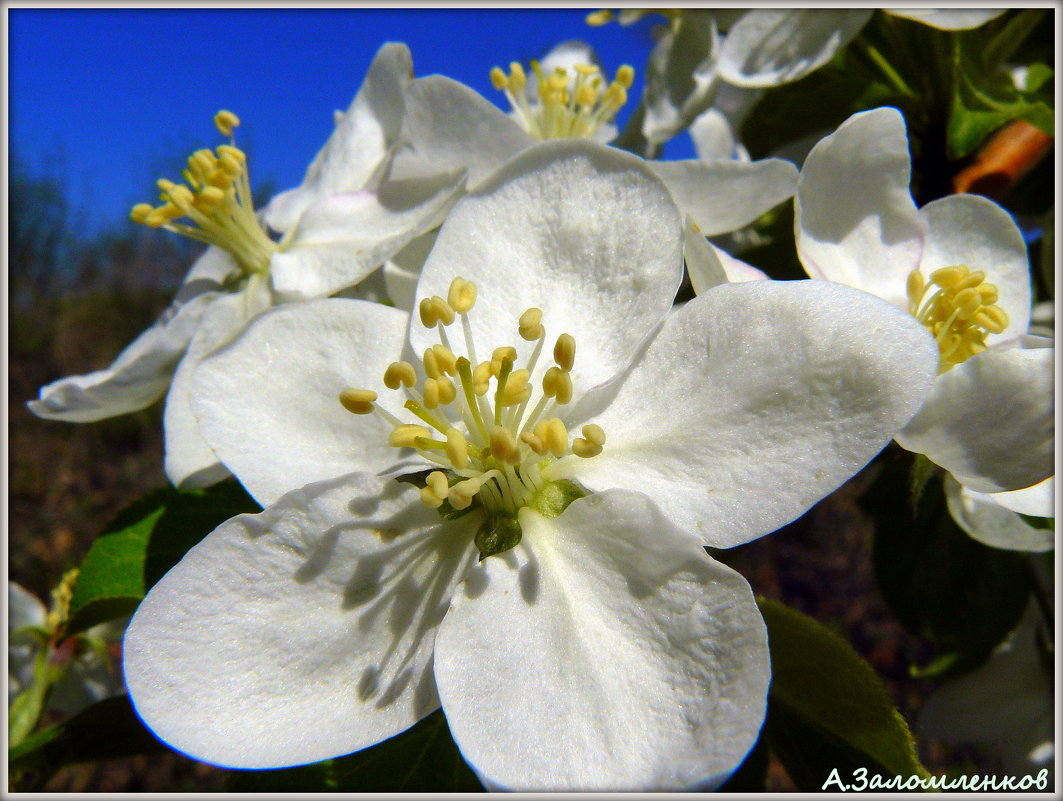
column 225, row 121
column 499, row 79
column 530, row 324
column 554, row 435
column 462, row 295
column 516, row 389
column 358, row 401
column 503, row 446
column 399, row 373
column 446, row 359
column 140, row 212
column 457, row 449
column 481, row 378
column 403, row 436
column 534, row 442
column 625, row 76
column 431, row 393
column 565, row 351
column 435, row 490
column 462, row 493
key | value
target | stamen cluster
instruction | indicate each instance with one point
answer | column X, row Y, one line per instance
column 570, row 106
column 217, row 199
column 490, row 446
column 959, row 308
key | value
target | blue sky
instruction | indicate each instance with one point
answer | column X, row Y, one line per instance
column 111, row 99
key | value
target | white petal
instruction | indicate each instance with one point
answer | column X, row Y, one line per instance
column 991, row 524
column 948, row 19
column 772, row 46
column 452, row 127
column 1036, row 501
column 355, row 154
column 989, row 420
column 301, row 633
column 681, row 80
column 754, row 401
column 215, row 266
column 713, row 136
column 975, row 231
column 709, row 266
column 268, row 403
column 343, row 238
column 136, row 379
column 403, row 270
column 23, row 608
column 190, row 463
column 584, row 232
column 855, row 220
column 724, row 195
column 606, row 652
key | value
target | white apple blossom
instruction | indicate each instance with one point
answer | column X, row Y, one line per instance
column 595, row 646
column 959, row 266
column 701, row 51
column 451, row 127
column 342, row 223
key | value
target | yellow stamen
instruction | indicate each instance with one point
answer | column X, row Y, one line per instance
column 565, row 351
column 358, row 401
column 225, row 121
column 462, row 295
column 403, row 436
column 530, row 324
column 959, row 308
column 399, row 373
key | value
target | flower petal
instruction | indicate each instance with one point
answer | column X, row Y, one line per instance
column 724, row 195
column 773, row 46
column 301, row 633
column 975, row 231
column 583, row 232
column 606, row 658
column 709, row 266
column 754, row 401
column 991, row 524
column 451, row 127
column 190, row 463
column 403, row 270
column 343, row 238
column 855, row 221
column 355, row 154
column 989, row 420
column 268, row 403
column 1036, row 501
column 948, row 19
column 136, row 379
column 681, row 80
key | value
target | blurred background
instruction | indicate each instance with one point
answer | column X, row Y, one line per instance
column 102, row 103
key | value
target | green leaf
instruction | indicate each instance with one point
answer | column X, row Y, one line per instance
column 423, row 758
column 497, row 534
column 109, row 729
column 817, row 103
column 984, row 102
column 939, row 582
column 144, row 541
column 827, row 708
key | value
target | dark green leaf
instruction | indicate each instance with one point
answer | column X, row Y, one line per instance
column 109, row 729
column 143, row 542
column 815, row 104
column 939, row 582
column 423, row 758
column 827, row 708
